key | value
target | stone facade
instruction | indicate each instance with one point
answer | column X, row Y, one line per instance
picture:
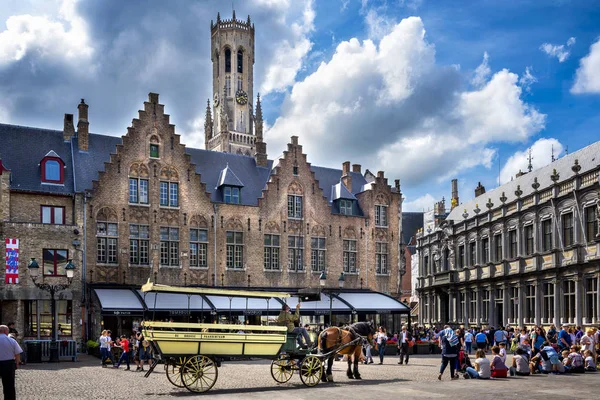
column 526, row 253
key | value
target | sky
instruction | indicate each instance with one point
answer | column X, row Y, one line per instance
column 424, row 90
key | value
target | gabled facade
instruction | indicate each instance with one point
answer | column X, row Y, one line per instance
column 144, row 206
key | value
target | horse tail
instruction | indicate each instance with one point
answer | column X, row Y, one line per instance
column 323, row 341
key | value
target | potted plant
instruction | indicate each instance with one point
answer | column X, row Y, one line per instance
column 93, row 348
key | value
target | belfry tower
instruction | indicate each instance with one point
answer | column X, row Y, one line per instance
column 230, row 127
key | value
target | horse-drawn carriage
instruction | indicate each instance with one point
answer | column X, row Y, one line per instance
column 192, row 352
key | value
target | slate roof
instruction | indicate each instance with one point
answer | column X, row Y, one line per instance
column 329, row 177
column 411, row 223
column 239, row 170
column 23, row 148
column 588, row 157
column 90, row 163
column 209, row 165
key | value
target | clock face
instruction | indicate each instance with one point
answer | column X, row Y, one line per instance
column 241, row 97
column 216, row 99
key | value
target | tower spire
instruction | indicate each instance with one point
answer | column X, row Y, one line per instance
column 553, row 159
column 529, row 158
column 261, row 146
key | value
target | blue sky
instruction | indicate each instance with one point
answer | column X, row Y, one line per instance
column 424, row 90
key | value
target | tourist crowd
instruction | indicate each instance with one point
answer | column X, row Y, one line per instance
column 556, row 351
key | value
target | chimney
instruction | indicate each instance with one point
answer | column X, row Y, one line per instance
column 346, row 177
column 479, row 190
column 380, row 174
column 520, row 173
column 356, row 168
column 83, row 126
column 454, row 201
column 68, row 127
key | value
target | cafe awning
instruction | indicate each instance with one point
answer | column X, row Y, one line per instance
column 372, row 303
column 119, row 302
column 324, row 306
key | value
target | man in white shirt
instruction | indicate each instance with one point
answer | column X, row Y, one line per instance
column 468, row 341
column 403, row 340
column 10, row 357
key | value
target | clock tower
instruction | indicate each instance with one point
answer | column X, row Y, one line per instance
column 232, row 53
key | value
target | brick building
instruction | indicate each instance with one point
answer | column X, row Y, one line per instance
column 145, row 206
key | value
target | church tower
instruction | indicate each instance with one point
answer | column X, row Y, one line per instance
column 232, row 55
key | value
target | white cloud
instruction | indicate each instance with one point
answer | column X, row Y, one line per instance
column 587, row 77
column 541, row 153
column 287, row 60
column 391, row 103
column 559, row 51
column 423, row 203
column 527, row 79
column 64, row 38
column 378, row 23
column 482, row 72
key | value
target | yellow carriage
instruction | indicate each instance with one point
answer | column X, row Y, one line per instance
column 192, row 352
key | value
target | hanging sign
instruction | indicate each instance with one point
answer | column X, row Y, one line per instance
column 12, row 261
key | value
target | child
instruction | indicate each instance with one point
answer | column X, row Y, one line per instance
column 503, row 351
column 124, row 344
column 590, row 364
column 576, row 362
column 566, row 360
column 498, row 367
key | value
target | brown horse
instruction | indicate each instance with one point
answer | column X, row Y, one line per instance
column 332, row 339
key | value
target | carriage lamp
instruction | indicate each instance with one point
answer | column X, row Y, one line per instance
column 323, row 279
column 34, row 268
column 341, row 281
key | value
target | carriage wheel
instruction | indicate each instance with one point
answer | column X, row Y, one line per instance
column 311, row 370
column 199, row 374
column 173, row 370
column 282, row 369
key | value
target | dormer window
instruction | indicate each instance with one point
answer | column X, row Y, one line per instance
column 345, row 206
column 52, row 168
column 231, row 194
column 230, row 186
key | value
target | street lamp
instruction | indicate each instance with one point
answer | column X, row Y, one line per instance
column 34, row 272
column 323, row 279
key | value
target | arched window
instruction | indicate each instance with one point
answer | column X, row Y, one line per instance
column 240, row 83
column 154, row 147
column 52, row 170
column 240, row 61
column 227, row 60
column 228, row 85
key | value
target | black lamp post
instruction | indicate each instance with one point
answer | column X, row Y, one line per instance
column 34, row 271
column 341, row 281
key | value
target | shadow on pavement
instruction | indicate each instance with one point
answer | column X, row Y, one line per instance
column 281, row 388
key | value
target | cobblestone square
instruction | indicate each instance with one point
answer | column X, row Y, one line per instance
column 252, row 380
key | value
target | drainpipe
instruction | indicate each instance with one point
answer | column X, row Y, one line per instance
column 216, row 213
column 84, row 322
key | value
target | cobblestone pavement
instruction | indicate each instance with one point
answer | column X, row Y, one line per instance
column 252, row 380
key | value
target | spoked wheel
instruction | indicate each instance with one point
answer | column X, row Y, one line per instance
column 282, row 369
column 199, row 374
column 173, row 370
column 311, row 370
